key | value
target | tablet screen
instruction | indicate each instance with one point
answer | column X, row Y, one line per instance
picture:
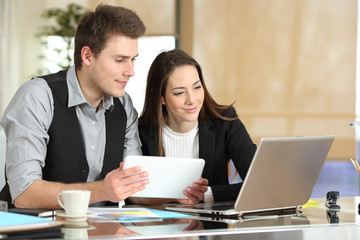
column 168, row 176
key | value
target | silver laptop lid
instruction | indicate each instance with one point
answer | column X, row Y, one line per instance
column 283, row 173
column 282, row 176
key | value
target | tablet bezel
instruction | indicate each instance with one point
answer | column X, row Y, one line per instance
column 168, row 176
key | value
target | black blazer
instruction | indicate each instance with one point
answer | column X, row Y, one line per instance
column 219, row 141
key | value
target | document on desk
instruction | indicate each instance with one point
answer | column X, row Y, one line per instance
column 131, row 214
column 121, row 214
column 15, row 224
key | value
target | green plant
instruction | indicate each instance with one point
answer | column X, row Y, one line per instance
column 65, row 24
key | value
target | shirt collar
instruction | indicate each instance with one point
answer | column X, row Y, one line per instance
column 75, row 94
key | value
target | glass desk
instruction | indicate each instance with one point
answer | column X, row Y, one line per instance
column 311, row 223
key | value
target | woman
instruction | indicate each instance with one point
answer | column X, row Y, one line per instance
column 181, row 119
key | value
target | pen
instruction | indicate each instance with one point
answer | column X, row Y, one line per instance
column 356, row 164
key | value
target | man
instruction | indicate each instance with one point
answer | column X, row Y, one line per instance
column 71, row 129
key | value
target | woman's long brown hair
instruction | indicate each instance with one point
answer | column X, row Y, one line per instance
column 162, row 67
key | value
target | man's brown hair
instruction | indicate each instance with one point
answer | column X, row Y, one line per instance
column 95, row 28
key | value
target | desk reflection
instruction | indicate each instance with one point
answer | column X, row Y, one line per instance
column 166, row 226
column 202, row 225
column 109, row 228
column 275, row 221
column 83, row 230
column 171, row 226
column 347, row 221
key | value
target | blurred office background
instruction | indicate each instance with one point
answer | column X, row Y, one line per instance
column 290, row 66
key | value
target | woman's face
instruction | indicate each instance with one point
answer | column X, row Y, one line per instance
column 184, row 97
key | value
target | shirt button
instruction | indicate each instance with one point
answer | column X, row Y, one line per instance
column 92, row 147
column 93, row 123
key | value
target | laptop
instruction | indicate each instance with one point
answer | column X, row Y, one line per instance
column 281, row 177
column 169, row 176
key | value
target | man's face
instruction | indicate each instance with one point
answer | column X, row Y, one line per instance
column 110, row 71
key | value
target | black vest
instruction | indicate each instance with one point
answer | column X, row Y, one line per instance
column 65, row 159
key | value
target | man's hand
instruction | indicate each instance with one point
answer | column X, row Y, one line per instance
column 195, row 193
column 119, row 184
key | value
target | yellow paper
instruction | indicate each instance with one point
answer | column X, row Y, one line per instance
column 311, row 204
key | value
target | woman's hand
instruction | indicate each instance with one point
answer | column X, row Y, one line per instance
column 195, row 193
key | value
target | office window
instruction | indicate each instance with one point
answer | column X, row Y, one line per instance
column 149, row 48
column 55, row 54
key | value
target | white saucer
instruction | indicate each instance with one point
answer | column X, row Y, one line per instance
column 78, row 225
column 73, row 218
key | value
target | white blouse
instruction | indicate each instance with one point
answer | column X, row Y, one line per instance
column 184, row 145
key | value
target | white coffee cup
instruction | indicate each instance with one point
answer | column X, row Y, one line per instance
column 74, row 202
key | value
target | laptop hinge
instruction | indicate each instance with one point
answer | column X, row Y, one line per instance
column 271, row 212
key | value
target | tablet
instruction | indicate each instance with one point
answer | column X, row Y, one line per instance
column 168, row 176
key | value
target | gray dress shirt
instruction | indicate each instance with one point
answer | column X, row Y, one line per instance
column 27, row 120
